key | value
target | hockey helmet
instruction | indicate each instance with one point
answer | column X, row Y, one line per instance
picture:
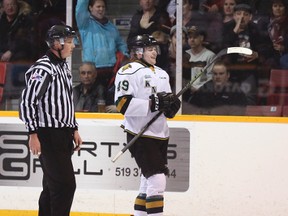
column 141, row 41
column 59, row 32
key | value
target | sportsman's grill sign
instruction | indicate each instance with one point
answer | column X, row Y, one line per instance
column 92, row 164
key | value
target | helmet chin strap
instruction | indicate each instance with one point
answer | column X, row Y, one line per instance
column 59, row 52
column 61, row 40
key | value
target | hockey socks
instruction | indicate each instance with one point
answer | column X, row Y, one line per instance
column 140, row 205
column 150, row 201
column 148, row 206
column 154, row 205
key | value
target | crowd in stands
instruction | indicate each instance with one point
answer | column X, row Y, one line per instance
column 23, row 26
column 208, row 27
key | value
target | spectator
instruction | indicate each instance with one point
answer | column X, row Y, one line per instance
column 200, row 56
column 89, row 92
column 1, row 8
column 109, row 97
column 228, row 10
column 100, row 38
column 191, row 16
column 218, row 96
column 163, row 41
column 211, row 5
column 110, row 106
column 172, row 55
column 149, row 19
column 47, row 13
column 172, row 45
column 244, row 33
column 261, row 8
column 278, row 32
column 17, row 33
column 189, row 10
column 55, row 8
column 170, row 6
column 211, row 23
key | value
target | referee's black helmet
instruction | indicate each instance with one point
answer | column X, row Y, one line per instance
column 59, row 32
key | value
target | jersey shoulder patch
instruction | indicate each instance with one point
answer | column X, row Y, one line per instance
column 125, row 67
column 130, row 68
column 41, row 66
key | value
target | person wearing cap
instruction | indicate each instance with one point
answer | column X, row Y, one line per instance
column 200, row 56
column 242, row 32
column 47, row 110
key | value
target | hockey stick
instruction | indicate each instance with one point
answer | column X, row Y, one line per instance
column 226, row 51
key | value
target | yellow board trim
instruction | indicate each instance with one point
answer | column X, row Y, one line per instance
column 195, row 118
column 35, row 213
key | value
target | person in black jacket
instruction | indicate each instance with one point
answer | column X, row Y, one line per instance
column 219, row 96
column 17, row 32
column 149, row 19
column 90, row 91
column 242, row 32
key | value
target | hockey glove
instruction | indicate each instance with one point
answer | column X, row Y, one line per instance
column 161, row 101
column 173, row 109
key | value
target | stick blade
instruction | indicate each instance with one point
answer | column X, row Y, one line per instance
column 239, row 50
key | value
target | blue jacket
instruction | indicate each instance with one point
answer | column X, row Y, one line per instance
column 100, row 42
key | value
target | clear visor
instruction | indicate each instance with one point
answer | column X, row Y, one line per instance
column 141, row 50
column 76, row 39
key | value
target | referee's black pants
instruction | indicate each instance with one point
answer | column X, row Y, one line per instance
column 58, row 175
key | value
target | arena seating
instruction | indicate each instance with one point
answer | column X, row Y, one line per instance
column 278, row 87
column 264, row 110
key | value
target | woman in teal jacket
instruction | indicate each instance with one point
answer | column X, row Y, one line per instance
column 100, row 37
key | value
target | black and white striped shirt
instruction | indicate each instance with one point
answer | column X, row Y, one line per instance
column 47, row 100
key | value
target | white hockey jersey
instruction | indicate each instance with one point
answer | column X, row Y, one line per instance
column 140, row 81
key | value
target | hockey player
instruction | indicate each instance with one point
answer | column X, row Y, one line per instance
column 142, row 90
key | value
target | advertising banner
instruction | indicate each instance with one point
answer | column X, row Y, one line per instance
column 92, row 164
